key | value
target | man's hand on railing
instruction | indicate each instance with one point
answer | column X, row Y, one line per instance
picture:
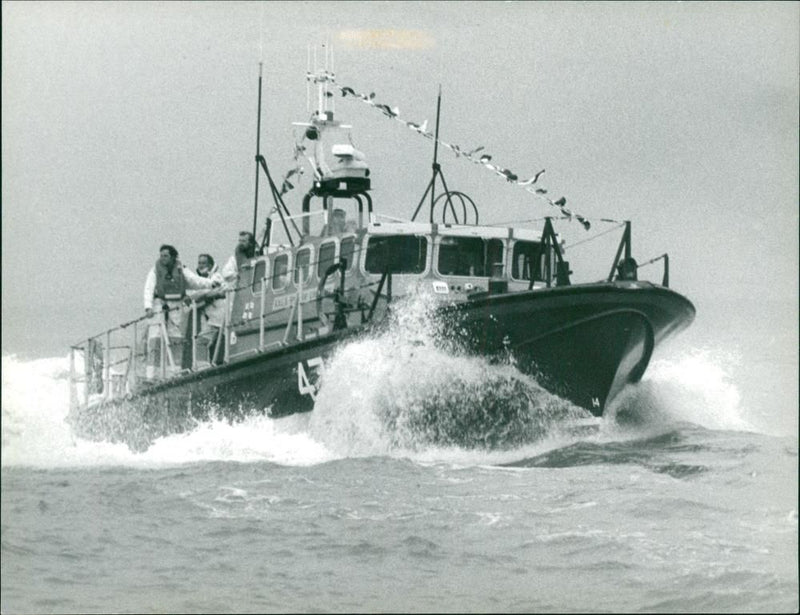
column 148, row 312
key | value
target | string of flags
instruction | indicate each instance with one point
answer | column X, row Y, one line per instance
column 286, row 185
column 476, row 155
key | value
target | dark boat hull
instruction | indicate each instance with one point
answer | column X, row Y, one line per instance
column 276, row 383
column 582, row 342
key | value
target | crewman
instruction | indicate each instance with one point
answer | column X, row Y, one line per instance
column 338, row 219
column 164, row 291
column 210, row 313
column 244, row 251
column 205, row 264
column 339, row 223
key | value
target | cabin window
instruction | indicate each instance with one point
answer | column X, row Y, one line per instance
column 302, row 266
column 280, row 272
column 469, row 256
column 400, row 253
column 258, row 275
column 494, row 257
column 527, row 257
column 327, row 256
column 347, row 251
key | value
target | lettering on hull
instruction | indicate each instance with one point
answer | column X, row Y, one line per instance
column 286, row 301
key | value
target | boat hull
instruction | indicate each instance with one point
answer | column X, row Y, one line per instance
column 582, row 342
column 274, row 383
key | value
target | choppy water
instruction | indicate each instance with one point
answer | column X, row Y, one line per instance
column 683, row 506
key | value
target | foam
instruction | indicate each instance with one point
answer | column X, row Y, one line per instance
column 35, row 400
column 400, row 393
column 692, row 386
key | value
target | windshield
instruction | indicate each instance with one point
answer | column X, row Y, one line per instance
column 398, row 253
column 469, row 256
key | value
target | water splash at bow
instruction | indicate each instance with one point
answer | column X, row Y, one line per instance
column 409, row 388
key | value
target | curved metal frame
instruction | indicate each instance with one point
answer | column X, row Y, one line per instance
column 464, row 198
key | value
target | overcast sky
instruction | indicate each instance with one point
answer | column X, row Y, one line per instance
column 128, row 125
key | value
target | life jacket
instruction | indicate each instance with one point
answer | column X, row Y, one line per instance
column 243, row 256
column 170, row 285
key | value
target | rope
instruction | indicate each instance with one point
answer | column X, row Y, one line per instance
column 393, row 113
column 613, row 228
column 650, row 262
column 472, row 154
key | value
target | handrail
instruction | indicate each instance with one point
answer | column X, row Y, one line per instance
column 299, row 283
column 107, row 367
column 624, row 244
column 73, row 389
column 338, row 294
column 136, row 358
column 262, row 317
column 134, row 355
column 217, row 345
column 228, row 292
column 289, row 322
column 358, row 249
column 111, row 366
column 665, row 258
column 386, row 277
column 227, row 328
column 194, row 334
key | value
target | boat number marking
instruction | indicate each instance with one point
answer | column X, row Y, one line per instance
column 304, row 384
column 440, row 288
column 595, row 402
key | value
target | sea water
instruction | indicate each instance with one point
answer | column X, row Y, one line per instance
column 682, row 498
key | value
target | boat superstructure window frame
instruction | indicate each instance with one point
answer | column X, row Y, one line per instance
column 520, row 271
column 483, row 252
column 399, row 254
column 303, row 253
column 279, row 273
column 323, row 261
column 263, row 266
column 350, row 255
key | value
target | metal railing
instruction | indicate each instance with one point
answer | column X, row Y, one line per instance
column 115, row 368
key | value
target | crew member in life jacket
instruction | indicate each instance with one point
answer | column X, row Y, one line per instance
column 211, row 309
column 244, row 251
column 164, row 291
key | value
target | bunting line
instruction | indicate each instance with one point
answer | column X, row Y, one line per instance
column 530, row 184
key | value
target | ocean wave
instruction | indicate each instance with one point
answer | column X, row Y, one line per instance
column 399, row 393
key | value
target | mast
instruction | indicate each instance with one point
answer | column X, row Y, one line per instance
column 258, row 149
column 437, row 172
column 436, row 167
column 349, row 177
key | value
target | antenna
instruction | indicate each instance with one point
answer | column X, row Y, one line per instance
column 333, row 75
column 261, row 35
column 258, row 148
column 308, row 74
column 325, row 82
